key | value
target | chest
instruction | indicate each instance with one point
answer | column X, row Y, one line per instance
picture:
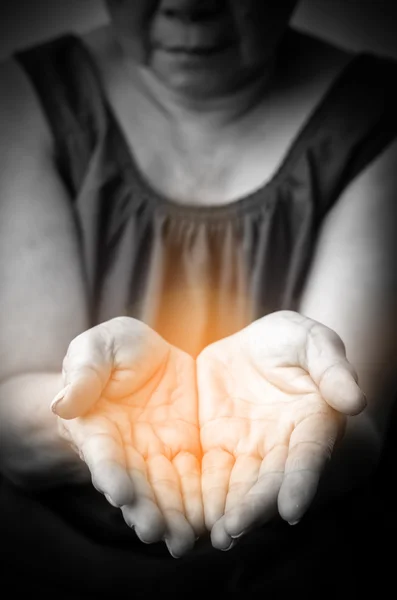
column 220, row 165
column 227, row 166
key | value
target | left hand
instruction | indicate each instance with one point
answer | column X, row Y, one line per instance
column 270, row 413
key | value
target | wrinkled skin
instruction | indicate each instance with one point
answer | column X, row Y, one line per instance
column 264, row 404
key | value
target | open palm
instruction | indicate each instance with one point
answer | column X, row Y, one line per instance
column 266, row 420
column 130, row 410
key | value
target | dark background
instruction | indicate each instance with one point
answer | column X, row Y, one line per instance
column 354, row 24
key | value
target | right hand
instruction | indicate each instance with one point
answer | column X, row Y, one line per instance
column 129, row 408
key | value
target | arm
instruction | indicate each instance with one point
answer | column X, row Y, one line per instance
column 352, row 288
column 42, row 296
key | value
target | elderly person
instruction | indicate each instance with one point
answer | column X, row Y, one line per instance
column 197, row 220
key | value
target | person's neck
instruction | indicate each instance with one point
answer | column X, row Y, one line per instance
column 195, row 123
column 208, row 114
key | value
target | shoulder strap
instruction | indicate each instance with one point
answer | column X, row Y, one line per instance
column 70, row 93
column 353, row 124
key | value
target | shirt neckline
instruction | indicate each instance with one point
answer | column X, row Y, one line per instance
column 248, row 203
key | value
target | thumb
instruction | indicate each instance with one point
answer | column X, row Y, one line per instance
column 334, row 375
column 87, row 368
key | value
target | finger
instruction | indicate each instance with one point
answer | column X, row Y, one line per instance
column 142, row 514
column 189, row 472
column 216, row 470
column 243, row 477
column 99, row 444
column 104, row 455
column 87, row 368
column 220, row 539
column 179, row 537
column 339, row 388
column 260, row 503
column 310, row 449
column 331, row 371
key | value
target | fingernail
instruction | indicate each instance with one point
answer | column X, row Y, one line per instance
column 59, row 397
column 233, row 543
column 108, row 498
column 169, row 549
column 239, row 535
column 140, row 537
column 293, row 522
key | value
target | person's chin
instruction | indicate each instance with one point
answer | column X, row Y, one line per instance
column 196, row 75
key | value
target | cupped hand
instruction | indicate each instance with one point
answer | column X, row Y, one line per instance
column 129, row 407
column 270, row 413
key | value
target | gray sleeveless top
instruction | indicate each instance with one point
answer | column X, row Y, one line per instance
column 197, row 274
